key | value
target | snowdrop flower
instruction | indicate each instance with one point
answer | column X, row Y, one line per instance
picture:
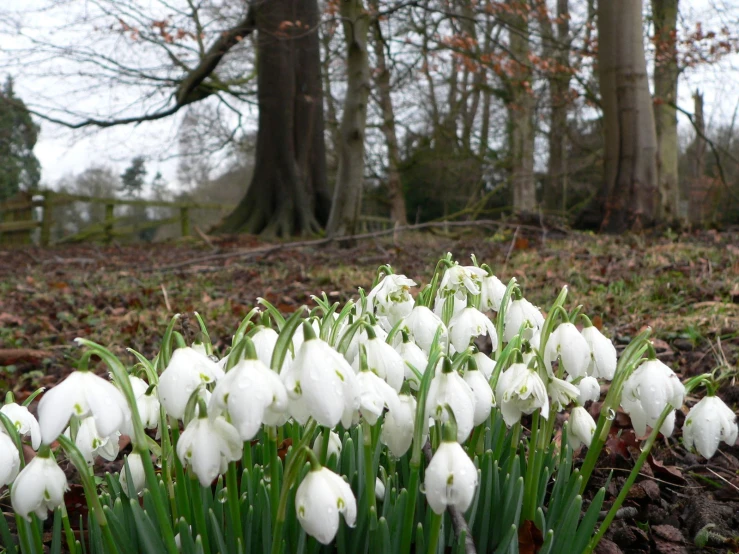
column 207, row 445
column 321, row 384
column 148, row 404
column 264, row 343
column 334, row 445
column 361, row 337
column 253, row 395
column 318, row 501
column 460, row 303
column 470, row 323
column 449, row 391
column 422, row 325
column 412, row 356
column 91, row 443
column 462, row 278
column 562, row 393
column 530, row 347
column 82, row 394
column 492, row 291
column 709, row 422
column 299, row 337
column 384, row 361
column 397, row 428
column 581, row 427
column 484, row 399
column 567, row 344
column 519, row 312
column 603, row 358
column 374, row 395
column 138, row 476
column 451, row 478
column 39, row 487
column 379, row 489
column 484, row 363
column 187, row 371
column 23, row 421
column 520, row 391
column 10, row 461
column 589, row 390
column 391, row 298
column 652, row 387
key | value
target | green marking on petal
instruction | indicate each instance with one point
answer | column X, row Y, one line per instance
column 341, row 376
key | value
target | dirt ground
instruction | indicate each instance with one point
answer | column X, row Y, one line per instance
column 685, row 287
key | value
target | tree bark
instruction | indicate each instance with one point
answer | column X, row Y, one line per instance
column 521, row 113
column 382, row 80
column 629, row 192
column 666, row 73
column 287, row 194
column 697, row 184
column 347, row 201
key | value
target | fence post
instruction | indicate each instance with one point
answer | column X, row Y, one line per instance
column 185, row 221
column 46, row 219
column 108, row 229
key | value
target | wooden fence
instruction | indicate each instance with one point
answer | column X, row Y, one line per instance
column 18, row 221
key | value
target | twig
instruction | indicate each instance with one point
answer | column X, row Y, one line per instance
column 457, row 517
column 166, row 298
column 510, row 248
column 205, row 238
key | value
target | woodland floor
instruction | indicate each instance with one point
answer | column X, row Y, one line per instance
column 685, row 287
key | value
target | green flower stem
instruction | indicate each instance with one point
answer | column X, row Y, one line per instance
column 434, row 532
column 646, row 449
column 91, row 495
column 232, row 486
column 532, row 473
column 325, row 438
column 199, row 512
column 500, row 318
column 274, row 471
column 68, row 532
column 13, row 434
column 36, row 533
column 26, row 544
column 369, row 477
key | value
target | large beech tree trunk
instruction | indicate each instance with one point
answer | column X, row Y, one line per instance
column 347, row 201
column 382, row 80
column 287, row 194
column 666, row 72
column 629, row 193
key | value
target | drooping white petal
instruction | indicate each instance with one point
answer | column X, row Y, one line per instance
column 589, row 390
column 603, row 357
column 334, row 445
column 39, row 487
column 138, row 476
column 23, row 421
column 391, row 298
column 491, row 293
column 422, row 324
column 648, row 390
column 374, row 396
column 207, row 445
column 562, row 393
column 484, row 363
column 708, row 423
column 567, row 344
column 10, row 461
column 320, row 498
column 397, row 429
column 383, row 360
column 412, row 356
column 450, row 391
column 468, row 324
column 519, row 312
column 581, row 428
column 451, row 479
column 186, row 371
column 521, row 390
column 483, row 395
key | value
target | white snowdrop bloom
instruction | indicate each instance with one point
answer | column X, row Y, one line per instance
column 460, row 303
column 39, row 487
column 485, row 364
column 379, row 489
column 138, row 476
column 361, row 337
column 468, row 324
column 299, row 338
column 450, row 391
column 253, row 395
column 573, row 351
column 187, row 370
column 581, row 427
column 451, row 479
column 422, row 325
column 334, row 445
column 82, row 394
column 462, row 278
column 412, row 356
column 492, row 291
column 148, row 404
column 647, row 392
column 519, row 312
column 319, row 500
column 383, row 360
column 391, row 298
column 603, row 357
column 589, row 390
column 91, row 443
column 562, row 393
column 23, row 421
column 264, row 343
column 374, row 396
column 207, row 445
column 10, row 461
column 709, row 422
column 397, row 428
column 520, row 391
column 483, row 395
column 531, row 347
column 321, row 384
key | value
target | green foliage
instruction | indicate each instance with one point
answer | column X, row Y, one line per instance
column 19, row 168
column 133, row 178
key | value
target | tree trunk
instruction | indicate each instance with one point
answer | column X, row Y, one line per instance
column 696, row 185
column 555, row 193
column 382, row 80
column 350, row 176
column 287, row 194
column 664, row 13
column 629, row 192
column 521, row 113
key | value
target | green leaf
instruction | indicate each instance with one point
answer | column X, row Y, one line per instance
column 150, row 541
column 217, row 531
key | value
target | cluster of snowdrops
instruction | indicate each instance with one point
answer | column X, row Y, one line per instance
column 361, row 411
